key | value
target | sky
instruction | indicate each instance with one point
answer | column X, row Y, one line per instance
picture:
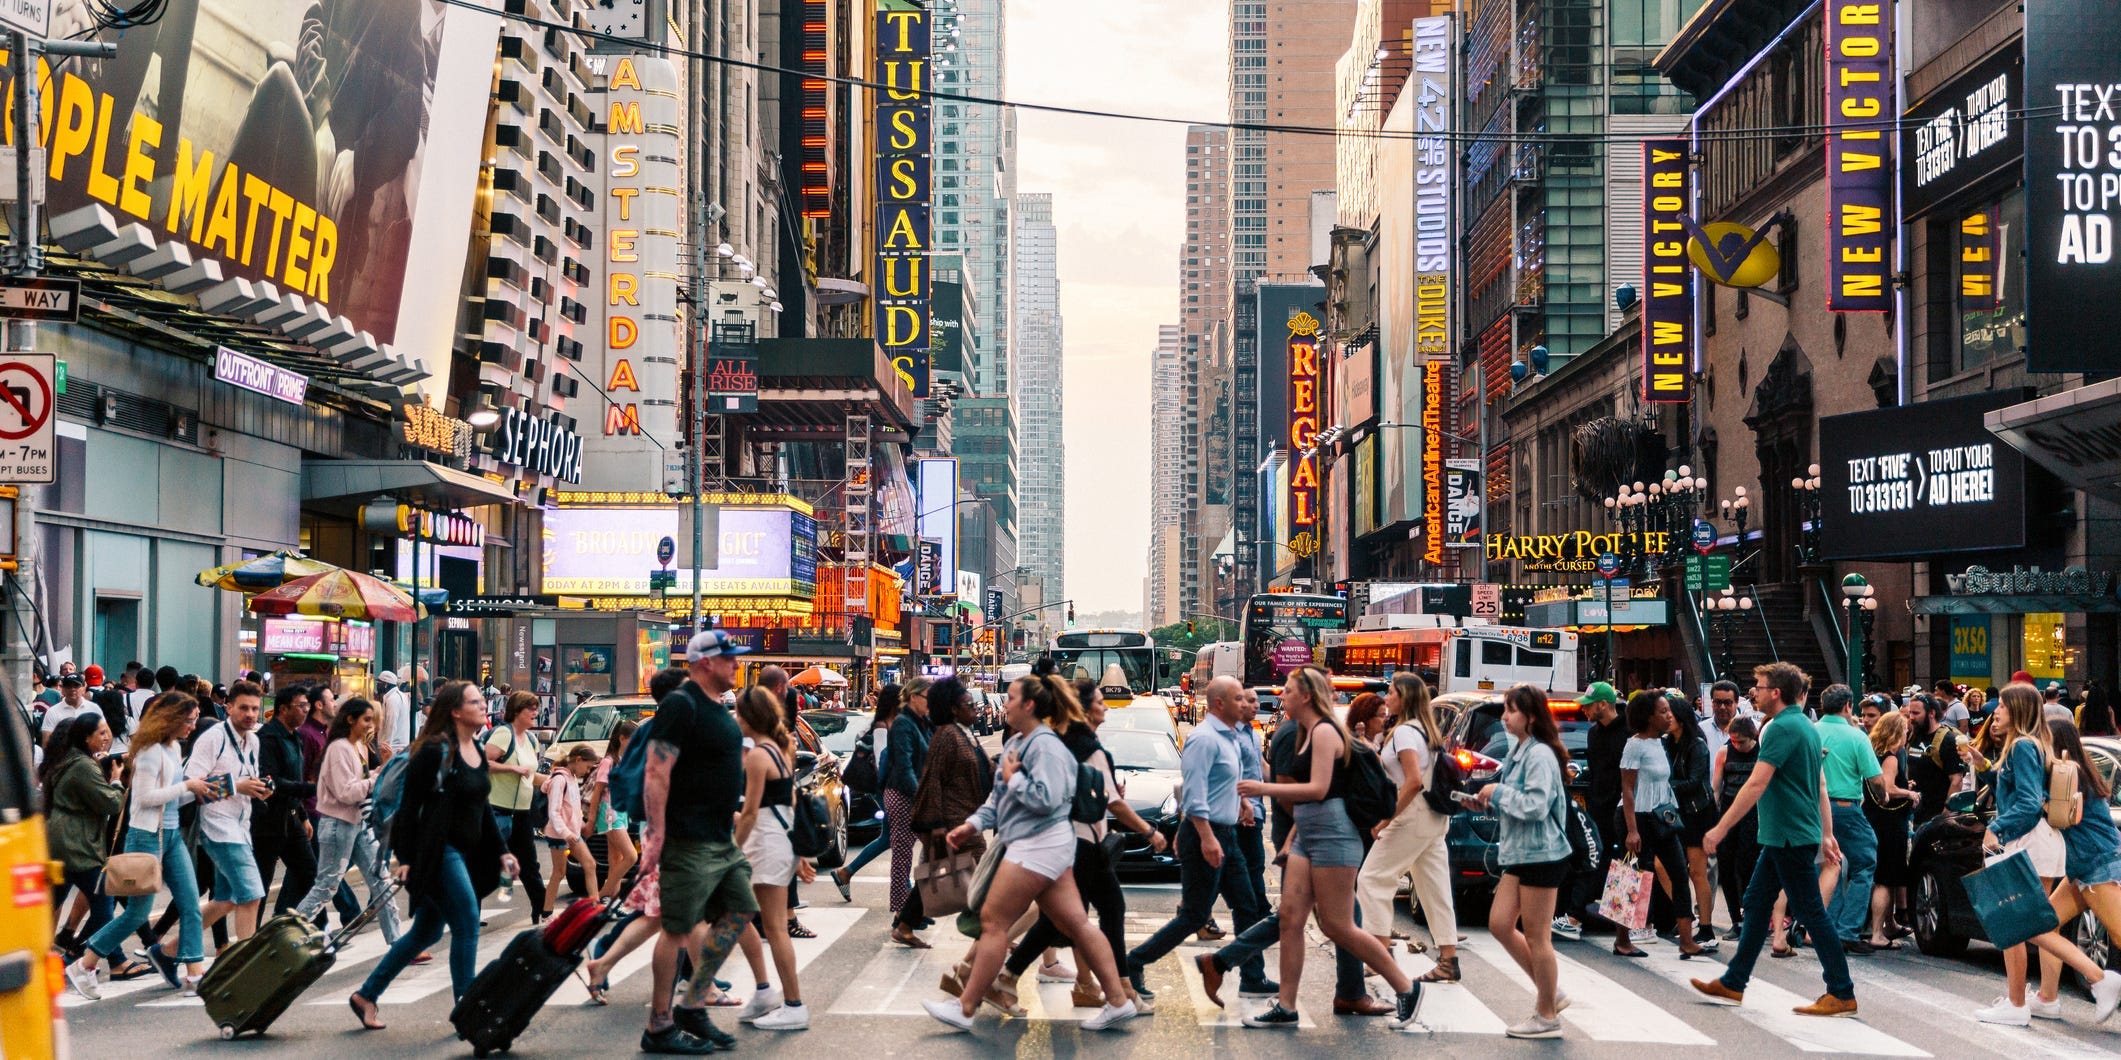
column 1119, row 205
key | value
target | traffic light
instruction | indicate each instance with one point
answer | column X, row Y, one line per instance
column 1071, row 612
column 1189, row 627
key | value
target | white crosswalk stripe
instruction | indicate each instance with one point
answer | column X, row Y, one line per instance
column 1448, row 1008
column 1768, row 1006
column 1947, row 1009
column 1599, row 1007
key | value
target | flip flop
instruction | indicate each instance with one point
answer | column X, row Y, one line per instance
column 131, row 970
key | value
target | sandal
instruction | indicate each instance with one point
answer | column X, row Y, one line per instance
column 1446, row 971
column 596, row 989
column 1780, row 952
column 1415, row 945
column 130, row 970
column 796, row 930
column 909, row 940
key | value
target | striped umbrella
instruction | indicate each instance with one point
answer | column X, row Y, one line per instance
column 338, row 593
column 263, row 572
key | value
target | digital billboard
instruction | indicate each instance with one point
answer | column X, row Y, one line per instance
column 1920, row 479
column 937, row 480
column 609, row 552
column 2072, row 184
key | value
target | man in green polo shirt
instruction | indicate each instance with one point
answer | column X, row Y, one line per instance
column 1796, row 826
column 1850, row 764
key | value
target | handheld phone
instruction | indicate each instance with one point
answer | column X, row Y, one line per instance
column 1465, row 798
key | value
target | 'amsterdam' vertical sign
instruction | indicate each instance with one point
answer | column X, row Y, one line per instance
column 903, row 138
column 1667, row 278
column 1859, row 172
column 2072, row 183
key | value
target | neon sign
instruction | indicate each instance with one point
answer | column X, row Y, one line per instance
column 1303, row 435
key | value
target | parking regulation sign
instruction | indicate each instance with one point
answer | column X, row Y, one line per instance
column 28, row 435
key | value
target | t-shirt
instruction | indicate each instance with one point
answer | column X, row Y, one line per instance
column 1789, row 809
column 1602, row 751
column 1281, row 762
column 707, row 781
column 1957, row 714
column 509, row 791
column 218, row 752
column 1932, row 764
column 59, row 714
column 1653, row 774
column 1849, row 759
column 1406, row 738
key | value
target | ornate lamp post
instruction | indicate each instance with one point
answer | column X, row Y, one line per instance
column 1806, row 487
column 1725, row 611
column 1858, row 593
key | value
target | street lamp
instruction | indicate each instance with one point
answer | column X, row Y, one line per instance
column 1860, row 597
column 1737, row 510
column 1725, row 614
column 1806, row 487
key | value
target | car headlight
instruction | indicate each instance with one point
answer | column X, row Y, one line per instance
column 1169, row 807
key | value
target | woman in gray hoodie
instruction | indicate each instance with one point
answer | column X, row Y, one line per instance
column 1029, row 813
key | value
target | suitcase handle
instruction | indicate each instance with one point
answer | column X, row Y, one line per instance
column 385, row 891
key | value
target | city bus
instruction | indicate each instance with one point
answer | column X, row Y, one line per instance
column 1090, row 653
column 1220, row 659
column 1454, row 658
column 1281, row 631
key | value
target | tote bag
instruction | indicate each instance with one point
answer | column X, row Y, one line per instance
column 1626, row 900
column 2008, row 900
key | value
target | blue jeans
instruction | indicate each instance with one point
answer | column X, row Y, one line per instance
column 869, row 853
column 100, row 906
column 1253, row 941
column 1859, row 863
column 1791, row 871
column 451, row 904
column 178, row 879
column 1198, row 884
column 338, row 844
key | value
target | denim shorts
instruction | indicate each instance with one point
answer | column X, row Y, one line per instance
column 2108, row 873
column 1325, row 836
column 236, row 877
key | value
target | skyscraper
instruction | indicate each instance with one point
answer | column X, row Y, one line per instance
column 1042, row 483
column 1164, row 600
column 1204, row 349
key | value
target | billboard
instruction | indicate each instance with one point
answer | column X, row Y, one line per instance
column 936, row 478
column 1920, row 479
column 1303, row 412
column 1433, row 383
column 1962, row 133
column 1417, row 241
column 2072, row 184
column 1462, row 503
column 1859, row 169
column 609, row 552
column 1667, row 277
column 904, row 137
column 304, row 145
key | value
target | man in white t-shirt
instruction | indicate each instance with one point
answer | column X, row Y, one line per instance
column 1952, row 708
column 228, row 754
column 72, row 703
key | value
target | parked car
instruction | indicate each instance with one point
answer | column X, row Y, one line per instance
column 1477, row 739
column 1148, row 769
column 1143, row 719
column 592, row 723
column 838, row 733
column 1948, row 847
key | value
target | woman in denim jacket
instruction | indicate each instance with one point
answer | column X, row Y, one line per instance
column 1530, row 798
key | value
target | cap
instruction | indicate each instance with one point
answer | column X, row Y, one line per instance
column 710, row 643
column 70, row 681
column 2052, row 686
column 94, row 674
column 2021, row 677
column 387, row 677
column 1600, row 692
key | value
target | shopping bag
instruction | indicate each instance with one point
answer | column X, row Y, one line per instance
column 2009, row 901
column 945, row 884
column 982, row 878
column 1626, row 900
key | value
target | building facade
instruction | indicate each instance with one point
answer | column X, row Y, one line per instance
column 1168, row 404
column 1042, row 485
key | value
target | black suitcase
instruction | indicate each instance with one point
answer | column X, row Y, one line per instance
column 498, row 1005
column 254, row 981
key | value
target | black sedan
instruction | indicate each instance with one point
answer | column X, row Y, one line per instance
column 1477, row 740
column 1948, row 848
column 1147, row 765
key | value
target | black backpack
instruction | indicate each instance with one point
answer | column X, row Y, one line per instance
column 1369, row 793
column 806, row 832
column 860, row 774
column 1445, row 778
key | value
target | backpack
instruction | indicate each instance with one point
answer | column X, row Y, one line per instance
column 807, row 830
column 1445, row 777
column 388, row 791
column 860, row 774
column 1586, row 847
column 1368, row 793
column 1089, row 804
column 626, row 785
column 2065, row 804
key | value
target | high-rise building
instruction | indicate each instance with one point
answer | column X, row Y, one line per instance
column 1042, row 482
column 1167, row 482
column 1204, row 351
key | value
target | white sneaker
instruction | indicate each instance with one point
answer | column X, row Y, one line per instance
column 84, row 981
column 1644, row 936
column 191, row 986
column 2106, row 993
column 2045, row 1010
column 761, row 1003
column 947, row 1012
column 1534, row 1026
column 1565, row 928
column 2006, row 1014
column 1109, row 1016
column 785, row 1018
column 1065, row 974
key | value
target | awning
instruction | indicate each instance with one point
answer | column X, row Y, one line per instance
column 2076, row 434
column 2015, row 604
column 344, row 485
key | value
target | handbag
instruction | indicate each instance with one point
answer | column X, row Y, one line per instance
column 2008, row 900
column 2064, row 806
column 982, row 878
column 1626, row 900
column 945, row 884
column 130, row 875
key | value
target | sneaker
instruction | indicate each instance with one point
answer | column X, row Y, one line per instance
column 764, row 1001
column 1275, row 1017
column 1565, row 928
column 84, row 981
column 1110, row 1015
column 1710, row 944
column 1643, row 936
column 2105, row 994
column 1258, row 991
column 949, row 1014
column 673, row 1041
column 1404, row 1006
column 1534, row 1026
column 1705, row 933
column 1055, row 973
column 695, row 1022
column 2046, row 1010
column 1736, row 932
column 1828, row 1005
column 163, row 963
column 2001, row 1011
column 794, row 1017
column 1141, row 985
column 191, row 985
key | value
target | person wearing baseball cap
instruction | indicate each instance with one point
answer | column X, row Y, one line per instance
column 71, row 705
column 94, row 674
column 1600, row 692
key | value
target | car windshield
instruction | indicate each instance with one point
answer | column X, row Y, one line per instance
column 1137, row 664
column 1481, row 729
column 837, row 732
column 1141, row 719
column 594, row 721
column 1134, row 749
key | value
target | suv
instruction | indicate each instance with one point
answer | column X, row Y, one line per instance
column 1477, row 739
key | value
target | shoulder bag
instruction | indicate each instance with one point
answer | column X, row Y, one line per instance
column 130, row 875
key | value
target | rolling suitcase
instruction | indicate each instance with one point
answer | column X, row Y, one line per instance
column 499, row 1004
column 254, row 981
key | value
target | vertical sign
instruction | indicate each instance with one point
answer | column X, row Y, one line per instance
column 1461, row 527
column 1432, row 505
column 903, row 138
column 1434, row 241
column 2072, row 183
column 814, row 168
column 1859, row 174
column 733, row 370
column 1667, row 278
column 1977, row 262
column 1303, row 435
column 643, row 219
column 937, row 519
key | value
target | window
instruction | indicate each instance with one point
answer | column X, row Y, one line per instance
column 1990, row 292
column 1465, row 658
column 1494, row 653
column 1539, row 659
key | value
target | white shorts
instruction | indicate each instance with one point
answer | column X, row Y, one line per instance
column 772, row 857
column 2045, row 847
column 1049, row 853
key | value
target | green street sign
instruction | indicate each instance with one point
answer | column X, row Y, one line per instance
column 1710, row 574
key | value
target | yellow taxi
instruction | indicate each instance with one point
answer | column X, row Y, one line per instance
column 31, row 1024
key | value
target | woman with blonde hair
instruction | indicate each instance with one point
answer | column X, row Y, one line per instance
column 1323, row 851
column 2092, row 862
column 1413, row 839
column 1889, row 820
column 762, row 831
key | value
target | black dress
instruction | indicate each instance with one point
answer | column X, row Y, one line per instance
column 1892, row 827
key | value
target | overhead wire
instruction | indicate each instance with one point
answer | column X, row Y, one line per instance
column 1458, row 136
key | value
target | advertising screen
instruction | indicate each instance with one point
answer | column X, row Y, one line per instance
column 2072, row 183
column 609, row 552
column 1919, row 479
column 938, row 517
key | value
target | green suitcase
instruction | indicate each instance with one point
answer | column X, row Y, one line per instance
column 254, row 981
